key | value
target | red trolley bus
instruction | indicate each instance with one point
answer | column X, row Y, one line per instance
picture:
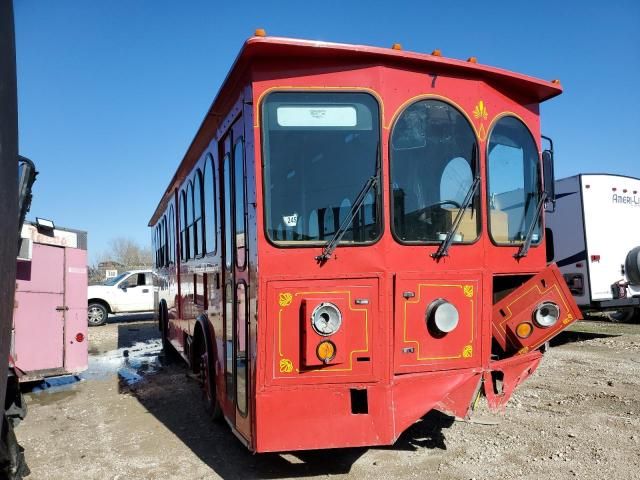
column 355, row 237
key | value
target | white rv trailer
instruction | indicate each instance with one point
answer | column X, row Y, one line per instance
column 596, row 242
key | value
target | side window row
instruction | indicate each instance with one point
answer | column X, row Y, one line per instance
column 197, row 216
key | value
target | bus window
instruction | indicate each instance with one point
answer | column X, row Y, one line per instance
column 240, row 203
column 198, row 233
column 228, row 319
column 433, row 163
column 513, row 182
column 210, row 214
column 189, row 222
column 320, row 148
column 228, row 246
column 183, row 226
column 172, row 239
column 242, row 370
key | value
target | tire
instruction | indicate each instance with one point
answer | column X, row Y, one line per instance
column 207, row 379
column 97, row 314
column 623, row 315
column 12, row 463
column 632, row 266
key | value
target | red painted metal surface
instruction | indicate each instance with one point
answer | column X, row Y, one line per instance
column 389, row 368
column 517, row 307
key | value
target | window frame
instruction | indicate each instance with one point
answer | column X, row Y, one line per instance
column 190, row 253
column 380, row 196
column 210, row 212
column 493, row 125
column 171, row 235
column 239, row 141
column 198, row 246
column 184, row 230
column 478, row 172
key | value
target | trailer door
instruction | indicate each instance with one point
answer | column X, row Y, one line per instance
column 39, row 312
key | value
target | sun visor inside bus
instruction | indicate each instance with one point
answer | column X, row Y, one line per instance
column 318, row 116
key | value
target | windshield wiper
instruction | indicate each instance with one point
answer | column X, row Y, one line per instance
column 524, row 248
column 327, row 251
column 443, row 250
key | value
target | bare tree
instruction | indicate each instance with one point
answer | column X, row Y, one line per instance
column 128, row 253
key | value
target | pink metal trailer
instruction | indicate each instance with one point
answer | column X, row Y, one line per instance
column 49, row 335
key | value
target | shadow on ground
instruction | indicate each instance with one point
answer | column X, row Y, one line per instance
column 175, row 399
column 569, row 336
column 130, row 317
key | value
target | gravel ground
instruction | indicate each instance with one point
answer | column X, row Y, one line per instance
column 132, row 417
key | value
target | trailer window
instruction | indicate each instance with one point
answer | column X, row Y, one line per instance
column 319, row 150
column 433, row 165
column 513, row 181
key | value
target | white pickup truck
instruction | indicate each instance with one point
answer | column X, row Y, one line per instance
column 129, row 292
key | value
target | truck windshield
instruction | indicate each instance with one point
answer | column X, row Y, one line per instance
column 514, row 183
column 320, row 149
column 112, row 281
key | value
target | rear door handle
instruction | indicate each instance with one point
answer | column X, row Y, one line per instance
column 62, row 309
column 145, row 290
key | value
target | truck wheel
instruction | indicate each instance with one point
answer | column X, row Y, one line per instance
column 621, row 316
column 12, row 463
column 97, row 314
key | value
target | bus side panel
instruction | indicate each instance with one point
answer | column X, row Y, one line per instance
column 75, row 300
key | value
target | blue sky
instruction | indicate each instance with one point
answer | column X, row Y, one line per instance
column 111, row 93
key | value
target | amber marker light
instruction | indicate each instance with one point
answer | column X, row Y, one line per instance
column 326, row 351
column 260, row 32
column 472, row 60
column 437, row 53
column 555, row 81
column 396, row 46
column 524, row 330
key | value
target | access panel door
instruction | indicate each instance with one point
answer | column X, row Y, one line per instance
column 437, row 321
column 39, row 313
column 237, row 368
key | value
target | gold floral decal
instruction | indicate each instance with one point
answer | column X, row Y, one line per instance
column 467, row 352
column 568, row 319
column 285, row 299
column 523, row 350
column 468, row 291
column 286, row 365
column 480, row 111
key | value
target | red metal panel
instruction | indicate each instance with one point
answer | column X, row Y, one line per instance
column 519, row 306
column 309, row 417
column 356, row 336
column 419, row 348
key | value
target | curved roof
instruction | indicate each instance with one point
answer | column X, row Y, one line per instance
column 530, row 89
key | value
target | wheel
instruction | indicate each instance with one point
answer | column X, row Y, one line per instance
column 97, row 314
column 623, row 315
column 12, row 463
column 207, row 381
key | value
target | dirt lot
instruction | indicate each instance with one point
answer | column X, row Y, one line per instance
column 133, row 418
